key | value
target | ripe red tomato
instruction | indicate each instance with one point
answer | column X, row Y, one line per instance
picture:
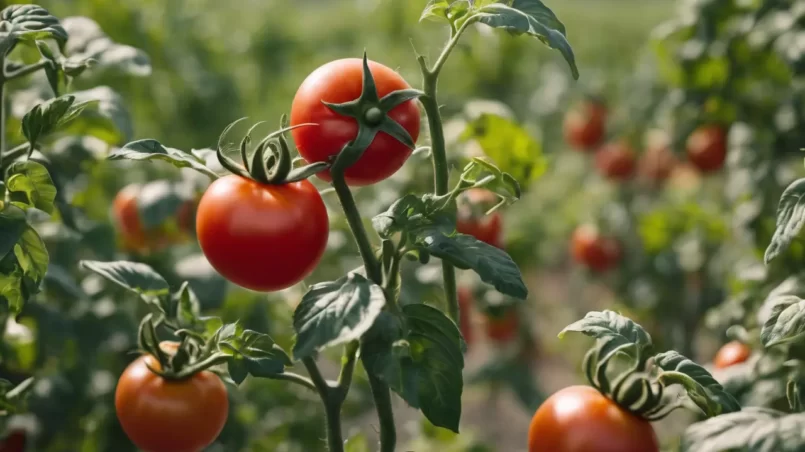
column 14, row 442
column 465, row 300
column 160, row 415
column 585, row 126
column 487, row 229
column 590, row 248
column 135, row 237
column 342, row 81
column 581, row 419
column 262, row 237
column 730, row 354
column 504, row 328
column 657, row 164
column 707, row 148
column 616, row 161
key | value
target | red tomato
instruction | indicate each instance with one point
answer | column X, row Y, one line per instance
column 585, row 125
column 616, row 161
column 262, row 237
column 465, row 300
column 707, row 148
column 504, row 328
column 135, row 237
column 581, row 419
column 14, row 442
column 730, row 354
column 342, row 81
column 487, row 229
column 590, row 248
column 160, row 415
column 657, row 164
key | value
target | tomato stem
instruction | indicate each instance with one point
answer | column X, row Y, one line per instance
column 441, row 174
column 382, row 397
column 332, row 405
column 2, row 112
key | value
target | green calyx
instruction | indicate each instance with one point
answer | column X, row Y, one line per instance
column 270, row 162
column 633, row 389
column 192, row 355
column 372, row 114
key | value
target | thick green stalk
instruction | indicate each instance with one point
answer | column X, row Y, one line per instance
column 373, row 270
column 441, row 175
column 332, row 406
column 382, row 398
column 2, row 111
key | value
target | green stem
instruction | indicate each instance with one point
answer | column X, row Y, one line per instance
column 370, row 262
column 382, row 397
column 2, row 112
column 441, row 173
column 347, row 369
column 332, row 407
column 25, row 70
column 296, row 378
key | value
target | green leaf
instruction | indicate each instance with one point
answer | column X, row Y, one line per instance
column 29, row 185
column 11, row 290
column 752, row 429
column 152, row 150
column 334, row 313
column 533, row 18
column 435, row 9
column 13, row 223
column 509, row 145
column 32, row 255
column 492, row 264
column 107, row 119
column 47, row 116
column 790, row 218
column 31, row 23
column 786, row 323
column 188, row 307
column 620, row 333
column 700, row 385
column 89, row 42
column 134, row 276
column 399, row 215
column 254, row 352
column 425, row 367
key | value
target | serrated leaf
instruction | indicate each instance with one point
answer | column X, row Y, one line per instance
column 619, row 332
column 46, row 117
column 435, row 10
column 107, row 119
column 12, row 223
column 134, row 276
column 152, row 150
column 11, row 290
column 492, row 264
column 790, row 218
column 89, row 42
column 31, row 23
column 188, row 307
column 398, row 216
column 29, row 185
column 32, row 255
column 700, row 385
column 754, row 429
column 510, row 146
column 334, row 313
column 425, row 368
column 252, row 352
column 786, row 323
column 533, row 18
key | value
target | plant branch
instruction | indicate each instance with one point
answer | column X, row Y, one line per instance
column 296, row 378
column 332, row 407
column 382, row 398
column 25, row 70
column 2, row 114
column 441, row 174
column 370, row 262
column 347, row 369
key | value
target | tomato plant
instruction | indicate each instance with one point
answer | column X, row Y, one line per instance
column 339, row 82
column 616, row 161
column 581, row 419
column 594, row 250
column 161, row 414
column 585, row 125
column 136, row 237
column 262, row 237
column 472, row 219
